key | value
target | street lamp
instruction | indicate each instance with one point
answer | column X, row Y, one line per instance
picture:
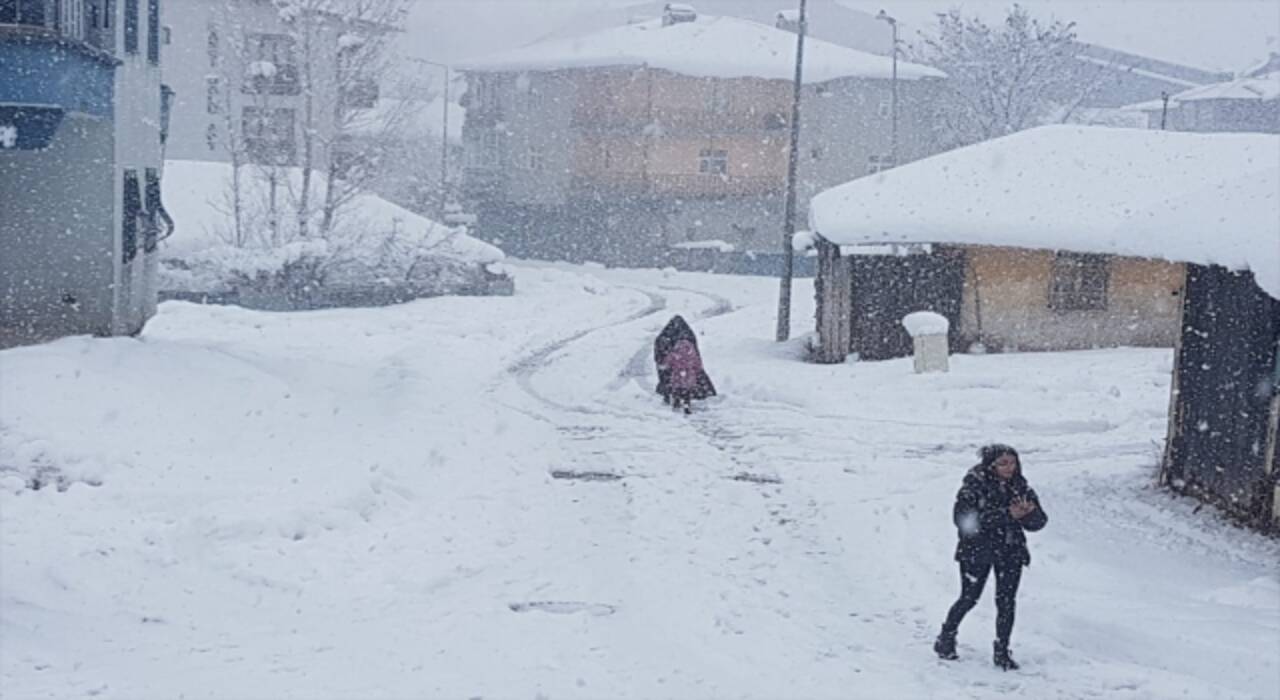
column 789, row 223
column 444, row 135
column 893, row 107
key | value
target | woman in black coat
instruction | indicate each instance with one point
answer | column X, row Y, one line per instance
column 993, row 509
column 675, row 331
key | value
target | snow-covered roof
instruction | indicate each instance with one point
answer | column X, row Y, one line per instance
column 1148, row 106
column 1263, row 87
column 1203, row 198
column 409, row 117
column 719, row 47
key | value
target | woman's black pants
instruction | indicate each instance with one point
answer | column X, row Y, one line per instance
column 973, row 577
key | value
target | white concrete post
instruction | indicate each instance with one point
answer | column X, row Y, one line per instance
column 929, row 335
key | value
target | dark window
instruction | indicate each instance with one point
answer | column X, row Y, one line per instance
column 212, row 94
column 131, row 26
column 268, row 135
column 879, row 163
column 153, row 32
column 106, row 14
column 713, row 161
column 213, row 47
column 360, row 94
column 1079, row 282
column 168, row 35
column 152, row 238
column 271, row 68
column 350, row 162
column 130, row 213
column 211, row 137
column 29, row 12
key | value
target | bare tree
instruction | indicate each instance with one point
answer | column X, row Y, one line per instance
column 1006, row 78
column 344, row 48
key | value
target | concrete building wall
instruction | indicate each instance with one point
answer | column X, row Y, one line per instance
column 57, row 273
column 1006, row 303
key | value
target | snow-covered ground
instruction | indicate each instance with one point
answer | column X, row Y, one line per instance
column 367, row 503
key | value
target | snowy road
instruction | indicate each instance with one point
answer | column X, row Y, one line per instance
column 484, row 498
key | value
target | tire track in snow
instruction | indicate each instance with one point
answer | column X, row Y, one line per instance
column 527, row 367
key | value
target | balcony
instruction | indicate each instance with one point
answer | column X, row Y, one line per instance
column 692, row 185
column 72, row 24
column 266, row 78
column 47, row 74
column 675, row 121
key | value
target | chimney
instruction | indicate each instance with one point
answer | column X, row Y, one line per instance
column 677, row 12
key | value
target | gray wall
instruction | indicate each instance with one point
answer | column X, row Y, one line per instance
column 59, row 226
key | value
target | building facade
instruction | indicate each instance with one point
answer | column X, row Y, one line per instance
column 243, row 71
column 619, row 163
column 82, row 119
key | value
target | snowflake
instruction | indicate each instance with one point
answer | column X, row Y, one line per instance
column 8, row 136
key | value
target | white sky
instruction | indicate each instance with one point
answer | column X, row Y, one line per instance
column 1215, row 34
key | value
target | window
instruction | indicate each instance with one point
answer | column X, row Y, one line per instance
column 713, row 161
column 151, row 240
column 268, row 135
column 608, row 158
column 718, row 100
column 885, row 110
column 536, row 161
column 71, row 19
column 1078, row 282
column 131, row 26
column 153, row 32
column 130, row 211
column 490, row 153
column 213, row 47
column 211, row 137
column 350, row 161
column 271, row 68
column 28, row 12
column 816, row 153
column 107, row 11
column 212, row 94
column 168, row 35
column 879, row 163
column 360, row 94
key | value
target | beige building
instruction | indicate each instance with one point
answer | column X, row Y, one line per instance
column 619, row 144
column 1046, row 239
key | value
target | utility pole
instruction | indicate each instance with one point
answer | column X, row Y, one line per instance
column 444, row 148
column 444, row 135
column 789, row 223
column 893, row 86
column 1164, row 108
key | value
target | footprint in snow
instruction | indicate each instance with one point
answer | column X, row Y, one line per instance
column 559, row 607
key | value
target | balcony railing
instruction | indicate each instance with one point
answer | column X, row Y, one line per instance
column 677, row 121
column 676, row 184
column 72, row 22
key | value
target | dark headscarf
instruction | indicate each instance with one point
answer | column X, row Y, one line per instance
column 675, row 331
column 990, row 453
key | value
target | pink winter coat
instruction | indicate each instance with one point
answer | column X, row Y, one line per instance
column 686, row 366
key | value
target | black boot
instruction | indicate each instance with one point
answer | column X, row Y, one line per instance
column 1001, row 656
column 945, row 646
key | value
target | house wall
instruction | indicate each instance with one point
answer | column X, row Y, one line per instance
column 624, row 136
column 1006, row 304
column 1223, row 414
column 137, row 147
column 189, row 61
column 63, row 271
column 58, row 268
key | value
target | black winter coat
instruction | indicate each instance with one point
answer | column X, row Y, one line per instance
column 675, row 331
column 988, row 533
